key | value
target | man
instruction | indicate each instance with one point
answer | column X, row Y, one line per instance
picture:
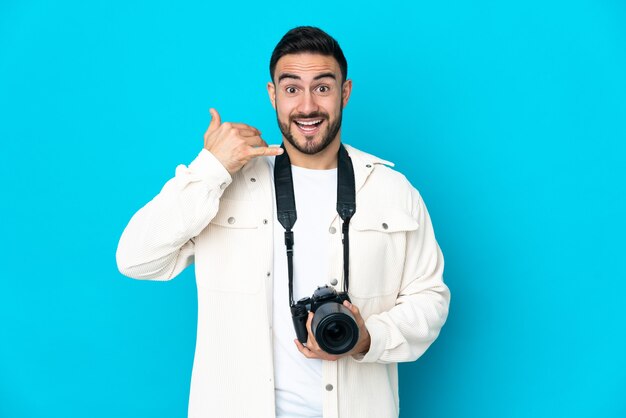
column 220, row 212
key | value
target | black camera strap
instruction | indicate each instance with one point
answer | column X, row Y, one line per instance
column 286, row 206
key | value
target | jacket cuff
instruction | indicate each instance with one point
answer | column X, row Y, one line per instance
column 378, row 338
column 209, row 168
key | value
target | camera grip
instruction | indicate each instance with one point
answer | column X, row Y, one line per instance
column 299, row 315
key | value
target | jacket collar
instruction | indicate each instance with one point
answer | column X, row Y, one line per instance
column 362, row 162
column 363, row 165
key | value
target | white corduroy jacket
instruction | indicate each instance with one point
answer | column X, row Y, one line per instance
column 224, row 224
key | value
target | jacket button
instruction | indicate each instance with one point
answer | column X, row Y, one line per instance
column 329, row 387
column 222, row 186
column 231, row 220
column 264, row 221
column 368, row 166
column 334, row 282
column 332, row 230
column 385, row 226
column 252, row 179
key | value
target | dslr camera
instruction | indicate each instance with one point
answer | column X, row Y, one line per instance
column 333, row 325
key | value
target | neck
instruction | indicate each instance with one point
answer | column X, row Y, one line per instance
column 323, row 160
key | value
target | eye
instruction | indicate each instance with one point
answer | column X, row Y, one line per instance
column 290, row 90
column 323, row 89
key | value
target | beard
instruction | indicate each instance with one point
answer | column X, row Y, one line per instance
column 309, row 147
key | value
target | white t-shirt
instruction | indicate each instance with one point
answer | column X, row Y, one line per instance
column 298, row 379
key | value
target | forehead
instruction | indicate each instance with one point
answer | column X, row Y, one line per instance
column 307, row 65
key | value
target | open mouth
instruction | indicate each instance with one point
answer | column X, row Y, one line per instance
column 309, row 127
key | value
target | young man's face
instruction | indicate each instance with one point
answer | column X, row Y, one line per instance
column 309, row 96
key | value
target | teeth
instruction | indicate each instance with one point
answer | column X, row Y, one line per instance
column 310, row 123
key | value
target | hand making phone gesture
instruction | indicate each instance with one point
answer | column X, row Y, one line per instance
column 234, row 144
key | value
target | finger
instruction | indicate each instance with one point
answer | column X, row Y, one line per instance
column 245, row 132
column 353, row 308
column 267, row 151
column 238, row 125
column 255, row 141
column 216, row 120
column 355, row 311
column 316, row 354
column 304, row 350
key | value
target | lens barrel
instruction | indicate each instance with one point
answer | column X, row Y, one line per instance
column 335, row 328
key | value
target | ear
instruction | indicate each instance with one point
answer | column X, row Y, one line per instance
column 346, row 90
column 271, row 91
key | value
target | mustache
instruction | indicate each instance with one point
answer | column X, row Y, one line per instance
column 309, row 116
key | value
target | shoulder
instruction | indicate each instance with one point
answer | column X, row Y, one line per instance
column 362, row 156
column 383, row 195
column 380, row 172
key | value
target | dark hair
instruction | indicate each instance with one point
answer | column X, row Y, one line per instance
column 308, row 39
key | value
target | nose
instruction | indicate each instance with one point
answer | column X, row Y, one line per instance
column 307, row 104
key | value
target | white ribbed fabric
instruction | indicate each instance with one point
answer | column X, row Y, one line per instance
column 226, row 225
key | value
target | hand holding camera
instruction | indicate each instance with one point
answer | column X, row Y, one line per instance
column 330, row 324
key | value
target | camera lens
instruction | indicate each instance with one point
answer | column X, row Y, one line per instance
column 335, row 333
column 335, row 328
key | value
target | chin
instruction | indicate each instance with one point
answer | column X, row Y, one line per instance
column 311, row 145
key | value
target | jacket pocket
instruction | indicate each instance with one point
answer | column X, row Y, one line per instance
column 378, row 251
column 386, row 220
column 237, row 215
column 229, row 255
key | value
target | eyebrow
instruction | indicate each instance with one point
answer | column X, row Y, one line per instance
column 297, row 77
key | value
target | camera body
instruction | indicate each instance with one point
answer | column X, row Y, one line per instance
column 333, row 326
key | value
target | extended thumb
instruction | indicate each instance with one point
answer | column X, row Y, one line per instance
column 216, row 121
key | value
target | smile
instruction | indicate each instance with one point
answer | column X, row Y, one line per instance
column 309, row 127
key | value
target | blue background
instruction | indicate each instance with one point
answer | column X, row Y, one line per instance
column 508, row 116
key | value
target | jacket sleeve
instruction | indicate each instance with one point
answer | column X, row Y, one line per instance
column 405, row 332
column 157, row 243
